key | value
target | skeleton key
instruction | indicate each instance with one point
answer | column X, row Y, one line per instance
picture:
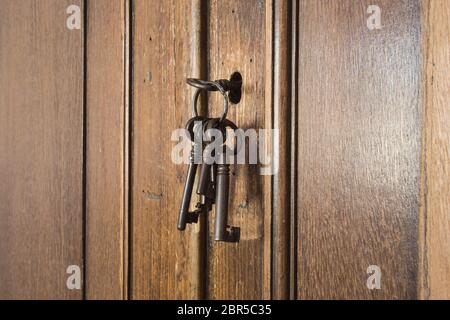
column 205, row 186
column 222, row 231
column 185, row 216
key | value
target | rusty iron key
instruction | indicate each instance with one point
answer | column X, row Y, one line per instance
column 222, row 231
column 185, row 216
column 204, row 186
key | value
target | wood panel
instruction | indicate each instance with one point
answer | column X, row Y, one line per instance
column 237, row 42
column 358, row 149
column 106, row 184
column 282, row 122
column 435, row 240
column 293, row 152
column 41, row 147
column 165, row 262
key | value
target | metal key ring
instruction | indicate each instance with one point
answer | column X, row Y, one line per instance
column 202, row 84
column 225, row 101
column 190, row 126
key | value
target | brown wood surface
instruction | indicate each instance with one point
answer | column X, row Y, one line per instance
column 198, row 34
column 435, row 240
column 282, row 122
column 358, row 149
column 164, row 260
column 268, row 124
column 106, row 188
column 236, row 42
column 293, row 152
column 41, row 148
column 363, row 152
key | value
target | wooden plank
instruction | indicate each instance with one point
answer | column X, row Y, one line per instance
column 198, row 68
column 281, row 180
column 106, row 95
column 358, row 149
column 236, row 43
column 164, row 261
column 435, row 241
column 268, row 123
column 293, row 153
column 41, row 147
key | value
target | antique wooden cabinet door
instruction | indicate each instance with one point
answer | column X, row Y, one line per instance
column 357, row 91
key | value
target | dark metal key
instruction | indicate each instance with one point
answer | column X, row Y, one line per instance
column 222, row 231
column 204, row 186
column 185, row 216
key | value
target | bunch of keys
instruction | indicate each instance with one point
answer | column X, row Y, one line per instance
column 214, row 177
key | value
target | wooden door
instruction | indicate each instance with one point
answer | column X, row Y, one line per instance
column 87, row 115
column 349, row 102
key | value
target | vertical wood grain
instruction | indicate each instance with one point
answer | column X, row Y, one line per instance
column 41, row 147
column 293, row 152
column 236, row 42
column 281, row 180
column 198, row 62
column 435, row 241
column 358, row 149
column 268, row 124
column 164, row 260
column 106, row 225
